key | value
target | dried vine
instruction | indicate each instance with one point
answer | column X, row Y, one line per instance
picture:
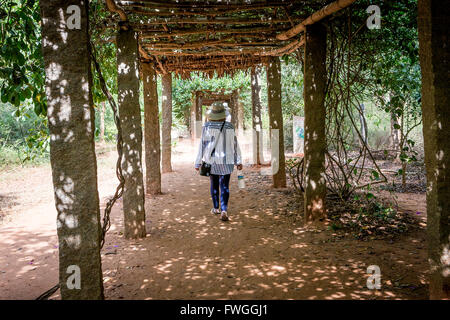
column 350, row 164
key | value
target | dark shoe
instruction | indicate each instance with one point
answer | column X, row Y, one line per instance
column 224, row 216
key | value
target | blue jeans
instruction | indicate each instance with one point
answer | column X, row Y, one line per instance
column 223, row 182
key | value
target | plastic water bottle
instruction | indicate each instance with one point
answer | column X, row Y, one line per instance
column 241, row 181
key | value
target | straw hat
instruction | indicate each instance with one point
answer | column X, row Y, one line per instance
column 216, row 111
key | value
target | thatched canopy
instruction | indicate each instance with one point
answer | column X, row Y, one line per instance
column 219, row 36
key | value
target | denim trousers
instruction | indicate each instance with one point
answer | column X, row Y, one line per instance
column 222, row 182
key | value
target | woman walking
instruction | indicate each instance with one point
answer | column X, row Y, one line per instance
column 219, row 148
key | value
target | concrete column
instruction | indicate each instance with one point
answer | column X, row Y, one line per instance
column 276, row 122
column 315, row 142
column 130, row 120
column 68, row 86
column 166, row 155
column 434, row 37
column 151, row 130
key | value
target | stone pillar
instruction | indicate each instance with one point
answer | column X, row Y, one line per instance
column 151, row 130
column 166, row 155
column 434, row 37
column 68, row 86
column 315, row 143
column 130, row 120
column 276, row 122
column 256, row 117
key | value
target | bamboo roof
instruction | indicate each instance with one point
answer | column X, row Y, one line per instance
column 219, row 36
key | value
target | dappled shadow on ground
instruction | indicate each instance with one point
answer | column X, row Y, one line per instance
column 262, row 253
column 7, row 201
column 28, row 262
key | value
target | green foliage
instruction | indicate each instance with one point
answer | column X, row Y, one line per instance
column 23, row 108
column 23, row 135
column 183, row 89
column 21, row 63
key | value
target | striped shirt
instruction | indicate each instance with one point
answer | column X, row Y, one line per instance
column 227, row 153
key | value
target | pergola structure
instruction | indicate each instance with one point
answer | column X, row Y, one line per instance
column 164, row 37
column 202, row 98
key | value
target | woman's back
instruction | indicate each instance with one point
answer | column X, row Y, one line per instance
column 226, row 149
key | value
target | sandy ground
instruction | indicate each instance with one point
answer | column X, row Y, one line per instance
column 263, row 252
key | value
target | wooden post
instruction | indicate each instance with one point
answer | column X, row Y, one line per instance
column 151, row 130
column 434, row 37
column 72, row 152
column 315, row 143
column 276, row 122
column 166, row 123
column 256, row 117
column 130, row 120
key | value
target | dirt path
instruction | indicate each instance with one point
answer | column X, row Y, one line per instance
column 262, row 253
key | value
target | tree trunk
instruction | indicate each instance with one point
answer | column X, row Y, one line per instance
column 130, row 120
column 167, row 123
column 276, row 122
column 315, row 142
column 72, row 151
column 151, row 125
column 102, row 122
column 434, row 37
column 256, row 117
column 395, row 136
column 363, row 123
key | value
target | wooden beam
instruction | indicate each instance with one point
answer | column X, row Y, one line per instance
column 199, row 45
column 201, row 5
column 175, row 33
column 216, row 20
column 316, row 16
column 113, row 7
column 143, row 53
column 177, row 9
column 286, row 49
column 203, row 54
